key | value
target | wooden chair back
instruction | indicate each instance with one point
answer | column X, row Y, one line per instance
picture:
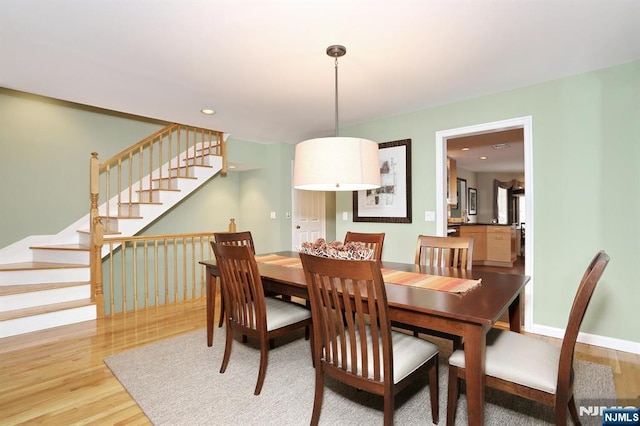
column 588, row 283
column 445, row 252
column 242, row 238
column 357, row 288
column 371, row 240
column 352, row 337
column 242, row 292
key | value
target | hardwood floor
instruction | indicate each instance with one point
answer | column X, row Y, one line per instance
column 58, row 377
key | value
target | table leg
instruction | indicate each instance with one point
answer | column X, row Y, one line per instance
column 515, row 315
column 211, row 294
column 474, row 356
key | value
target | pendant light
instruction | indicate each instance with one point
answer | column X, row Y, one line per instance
column 336, row 163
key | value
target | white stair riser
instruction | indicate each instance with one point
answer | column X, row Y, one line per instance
column 200, row 161
column 129, row 210
column 12, row 302
column 183, row 172
column 41, row 276
column 146, row 197
column 166, row 184
column 49, row 320
column 77, row 257
column 110, row 224
column 84, row 238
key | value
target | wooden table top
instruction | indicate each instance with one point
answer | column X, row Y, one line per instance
column 482, row 305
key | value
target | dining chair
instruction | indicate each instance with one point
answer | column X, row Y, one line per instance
column 528, row 366
column 371, row 240
column 360, row 349
column 242, row 238
column 442, row 252
column 248, row 311
column 445, row 252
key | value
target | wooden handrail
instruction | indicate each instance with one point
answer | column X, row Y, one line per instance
column 136, row 146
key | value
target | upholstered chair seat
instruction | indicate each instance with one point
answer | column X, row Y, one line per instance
column 518, row 359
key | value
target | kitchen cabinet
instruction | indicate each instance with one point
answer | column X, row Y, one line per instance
column 494, row 245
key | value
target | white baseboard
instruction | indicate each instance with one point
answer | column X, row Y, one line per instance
column 590, row 339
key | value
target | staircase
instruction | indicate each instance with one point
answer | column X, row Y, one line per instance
column 45, row 281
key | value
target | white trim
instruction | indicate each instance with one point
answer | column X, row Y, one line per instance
column 526, row 124
column 590, row 339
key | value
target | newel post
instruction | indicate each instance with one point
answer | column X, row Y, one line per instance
column 95, row 236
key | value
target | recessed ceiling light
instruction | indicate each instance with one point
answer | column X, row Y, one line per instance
column 466, row 148
column 483, row 157
column 207, row 111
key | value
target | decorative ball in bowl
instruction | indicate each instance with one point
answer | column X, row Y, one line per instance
column 352, row 250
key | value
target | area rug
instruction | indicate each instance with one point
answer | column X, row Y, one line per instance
column 177, row 382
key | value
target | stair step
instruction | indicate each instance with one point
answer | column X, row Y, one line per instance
column 157, row 190
column 34, row 266
column 133, row 208
column 203, row 152
column 75, row 247
column 172, row 178
column 105, row 233
column 169, row 182
column 186, row 171
column 198, row 160
column 15, row 296
column 44, row 309
column 21, row 321
column 153, row 195
column 6, row 290
column 33, row 273
column 61, row 253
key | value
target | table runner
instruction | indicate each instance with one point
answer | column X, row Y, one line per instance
column 431, row 282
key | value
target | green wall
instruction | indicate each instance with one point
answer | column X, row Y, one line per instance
column 586, row 182
column 45, row 146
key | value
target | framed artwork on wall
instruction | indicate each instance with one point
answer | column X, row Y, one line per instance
column 473, row 201
column 391, row 203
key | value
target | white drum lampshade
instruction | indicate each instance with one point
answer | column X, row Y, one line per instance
column 336, row 164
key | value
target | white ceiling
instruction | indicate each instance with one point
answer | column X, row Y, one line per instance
column 262, row 65
column 500, row 151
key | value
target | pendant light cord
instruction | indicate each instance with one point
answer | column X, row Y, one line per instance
column 336, row 66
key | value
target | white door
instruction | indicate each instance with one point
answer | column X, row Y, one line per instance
column 308, row 216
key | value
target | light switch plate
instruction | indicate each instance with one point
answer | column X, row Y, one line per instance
column 345, row 215
column 429, row 216
column 273, row 215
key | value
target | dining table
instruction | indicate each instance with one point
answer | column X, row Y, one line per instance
column 469, row 314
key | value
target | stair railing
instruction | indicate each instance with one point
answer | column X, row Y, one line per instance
column 146, row 271
column 135, row 175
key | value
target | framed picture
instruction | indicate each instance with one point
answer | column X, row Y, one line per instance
column 391, row 203
column 473, row 200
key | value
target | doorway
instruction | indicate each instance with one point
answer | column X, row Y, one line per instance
column 524, row 123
